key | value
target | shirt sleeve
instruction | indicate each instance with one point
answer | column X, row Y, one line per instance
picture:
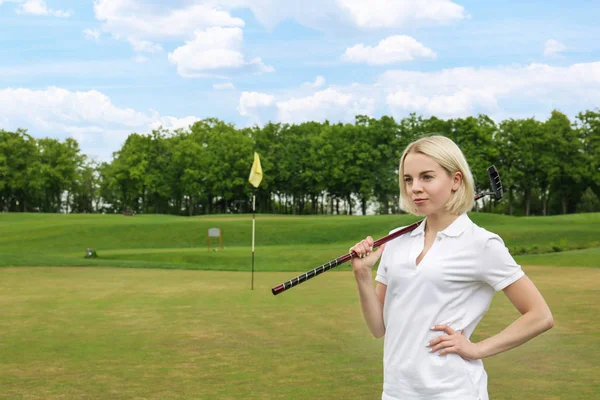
column 382, row 275
column 498, row 268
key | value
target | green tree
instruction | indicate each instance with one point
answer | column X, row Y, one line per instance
column 227, row 160
column 569, row 182
column 20, row 181
column 588, row 126
column 86, row 189
column 589, row 202
column 59, row 162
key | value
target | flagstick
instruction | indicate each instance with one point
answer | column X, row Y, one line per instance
column 253, row 222
column 255, row 178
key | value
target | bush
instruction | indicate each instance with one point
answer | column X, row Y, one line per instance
column 589, row 202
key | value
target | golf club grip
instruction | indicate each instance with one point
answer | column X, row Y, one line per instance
column 338, row 261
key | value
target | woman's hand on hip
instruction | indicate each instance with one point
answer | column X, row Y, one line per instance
column 453, row 342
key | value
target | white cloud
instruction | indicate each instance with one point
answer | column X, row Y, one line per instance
column 223, row 86
column 213, row 38
column 393, row 49
column 99, row 125
column 213, row 52
column 271, row 12
column 326, row 104
column 318, row 82
column 92, row 34
column 312, row 107
column 251, row 101
column 500, row 92
column 211, row 49
column 361, row 13
column 553, row 47
column 39, row 7
column 505, row 91
column 135, row 19
column 172, row 123
column 336, row 104
column 146, row 26
column 396, row 13
column 459, row 92
column 60, row 105
column 458, row 104
column 362, row 106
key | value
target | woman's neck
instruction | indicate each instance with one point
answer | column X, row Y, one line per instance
column 437, row 223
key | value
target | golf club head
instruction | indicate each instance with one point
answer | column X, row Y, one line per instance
column 495, row 182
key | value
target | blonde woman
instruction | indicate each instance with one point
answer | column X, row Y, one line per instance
column 435, row 284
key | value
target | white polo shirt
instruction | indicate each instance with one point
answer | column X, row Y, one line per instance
column 454, row 284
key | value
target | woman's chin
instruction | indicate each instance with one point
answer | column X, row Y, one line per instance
column 420, row 212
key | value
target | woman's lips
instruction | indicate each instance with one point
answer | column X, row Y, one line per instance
column 420, row 201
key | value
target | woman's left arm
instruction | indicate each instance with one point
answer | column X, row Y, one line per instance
column 535, row 319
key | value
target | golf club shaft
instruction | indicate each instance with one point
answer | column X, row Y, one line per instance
column 338, row 261
column 497, row 192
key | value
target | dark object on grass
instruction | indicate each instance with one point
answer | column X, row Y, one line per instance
column 90, row 253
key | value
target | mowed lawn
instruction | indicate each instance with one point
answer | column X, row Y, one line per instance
column 112, row 333
column 283, row 243
column 182, row 322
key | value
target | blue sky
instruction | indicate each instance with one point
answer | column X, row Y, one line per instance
column 99, row 70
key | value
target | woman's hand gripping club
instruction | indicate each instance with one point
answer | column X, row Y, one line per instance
column 365, row 257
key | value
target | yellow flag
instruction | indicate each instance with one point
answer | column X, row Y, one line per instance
column 256, row 172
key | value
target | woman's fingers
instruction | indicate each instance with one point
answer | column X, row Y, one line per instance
column 362, row 249
column 438, row 339
column 446, row 328
column 449, row 343
column 440, row 343
column 366, row 248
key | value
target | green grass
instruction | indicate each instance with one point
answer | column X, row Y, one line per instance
column 575, row 258
column 106, row 333
column 153, row 333
column 283, row 243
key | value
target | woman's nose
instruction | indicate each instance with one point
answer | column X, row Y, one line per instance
column 416, row 187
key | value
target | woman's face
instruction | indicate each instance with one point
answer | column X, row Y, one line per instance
column 427, row 184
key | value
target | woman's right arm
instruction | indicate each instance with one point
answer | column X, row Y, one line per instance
column 371, row 298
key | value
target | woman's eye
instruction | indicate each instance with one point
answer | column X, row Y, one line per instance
column 428, row 177
column 407, row 180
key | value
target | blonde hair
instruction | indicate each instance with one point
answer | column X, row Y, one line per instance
column 451, row 158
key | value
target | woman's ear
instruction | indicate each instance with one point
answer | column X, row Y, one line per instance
column 457, row 181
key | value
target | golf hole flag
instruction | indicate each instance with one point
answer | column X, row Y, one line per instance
column 255, row 178
column 256, row 173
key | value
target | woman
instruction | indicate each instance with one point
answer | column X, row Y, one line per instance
column 435, row 284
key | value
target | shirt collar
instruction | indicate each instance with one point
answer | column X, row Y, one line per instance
column 455, row 229
column 419, row 229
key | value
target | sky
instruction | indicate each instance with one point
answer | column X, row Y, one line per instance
column 100, row 70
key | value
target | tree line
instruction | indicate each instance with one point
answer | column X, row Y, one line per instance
column 547, row 167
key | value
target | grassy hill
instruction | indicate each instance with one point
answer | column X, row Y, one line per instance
column 283, row 243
